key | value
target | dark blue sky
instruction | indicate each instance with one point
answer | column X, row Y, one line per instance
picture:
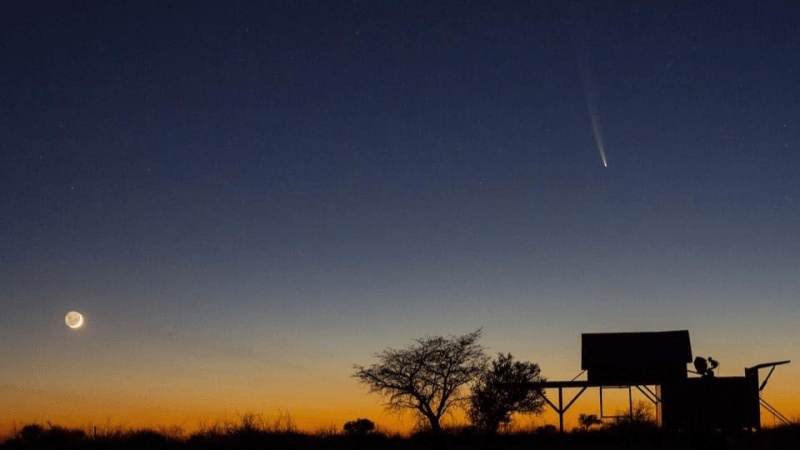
column 362, row 173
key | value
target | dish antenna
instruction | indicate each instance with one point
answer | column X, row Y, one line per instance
column 705, row 367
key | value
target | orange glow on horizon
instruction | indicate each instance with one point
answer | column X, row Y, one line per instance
column 23, row 407
column 109, row 392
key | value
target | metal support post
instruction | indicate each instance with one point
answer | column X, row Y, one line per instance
column 560, row 409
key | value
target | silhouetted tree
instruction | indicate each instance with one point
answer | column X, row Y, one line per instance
column 359, row 427
column 428, row 376
column 640, row 419
column 502, row 391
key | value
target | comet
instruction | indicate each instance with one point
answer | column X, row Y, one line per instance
column 591, row 108
column 598, row 133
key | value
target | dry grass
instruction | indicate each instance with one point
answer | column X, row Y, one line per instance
column 251, row 430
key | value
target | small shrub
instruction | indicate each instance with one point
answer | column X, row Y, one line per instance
column 32, row 433
column 359, row 427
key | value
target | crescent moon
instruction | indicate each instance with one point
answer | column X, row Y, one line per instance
column 74, row 319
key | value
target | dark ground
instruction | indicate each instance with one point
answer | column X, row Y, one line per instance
column 647, row 437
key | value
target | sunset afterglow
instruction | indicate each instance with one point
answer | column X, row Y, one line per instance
column 220, row 208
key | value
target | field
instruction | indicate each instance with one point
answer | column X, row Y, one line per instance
column 251, row 432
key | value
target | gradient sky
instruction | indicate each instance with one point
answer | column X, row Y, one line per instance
column 245, row 199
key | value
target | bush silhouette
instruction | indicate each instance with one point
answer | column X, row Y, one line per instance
column 587, row 420
column 32, row 433
column 359, row 427
column 503, row 390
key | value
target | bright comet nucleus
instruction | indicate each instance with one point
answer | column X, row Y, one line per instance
column 74, row 319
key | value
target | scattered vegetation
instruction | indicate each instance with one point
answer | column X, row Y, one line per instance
column 253, row 431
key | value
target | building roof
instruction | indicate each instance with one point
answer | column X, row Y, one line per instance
column 635, row 349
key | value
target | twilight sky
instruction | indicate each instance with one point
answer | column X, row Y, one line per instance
column 246, row 198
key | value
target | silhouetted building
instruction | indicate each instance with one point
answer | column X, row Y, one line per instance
column 660, row 359
column 636, row 358
column 709, row 403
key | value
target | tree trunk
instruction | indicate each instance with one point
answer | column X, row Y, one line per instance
column 435, row 426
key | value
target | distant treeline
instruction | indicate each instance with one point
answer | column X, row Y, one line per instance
column 251, row 432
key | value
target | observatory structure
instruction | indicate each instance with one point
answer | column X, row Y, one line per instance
column 655, row 363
